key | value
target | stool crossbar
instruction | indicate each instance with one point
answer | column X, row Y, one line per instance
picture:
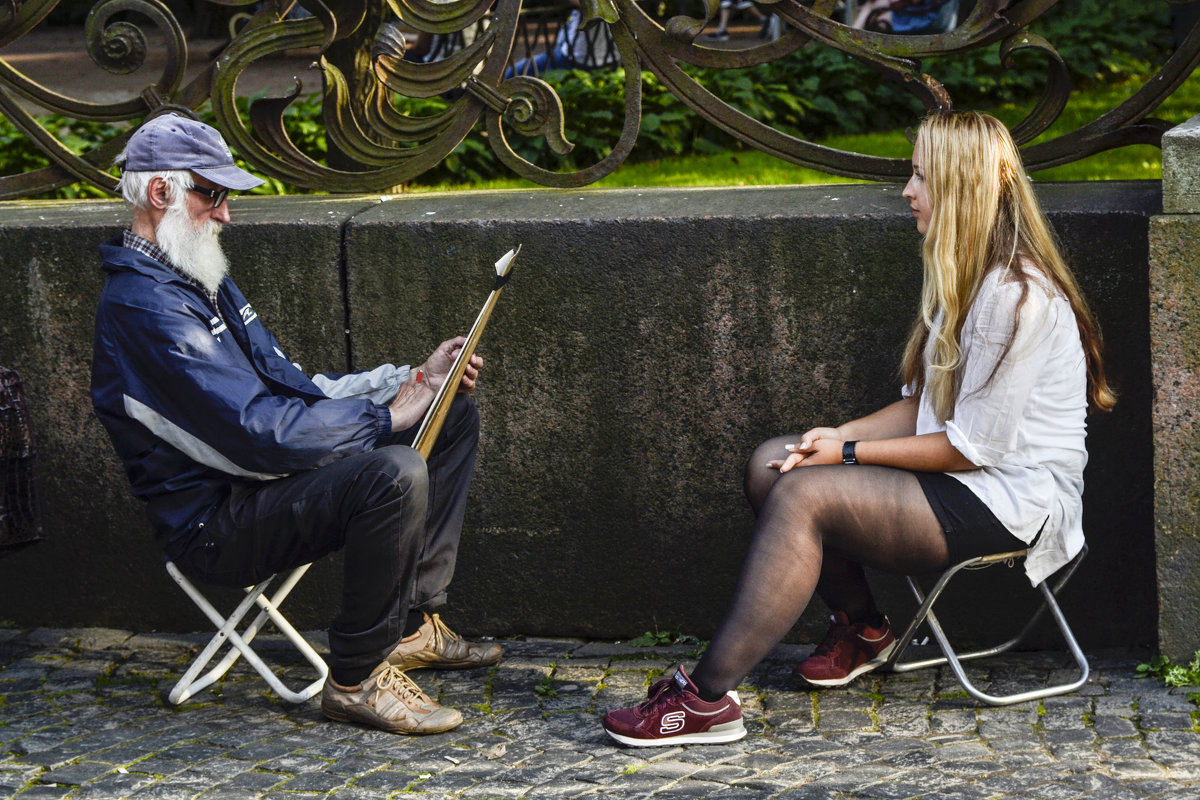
column 954, row 659
column 239, row 643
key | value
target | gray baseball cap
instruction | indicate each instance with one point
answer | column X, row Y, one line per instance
column 176, row 142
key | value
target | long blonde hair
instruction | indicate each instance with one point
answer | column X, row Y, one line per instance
column 984, row 215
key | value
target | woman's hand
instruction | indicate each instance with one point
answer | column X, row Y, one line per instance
column 929, row 452
column 815, row 435
column 817, row 446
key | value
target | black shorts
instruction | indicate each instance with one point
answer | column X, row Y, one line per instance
column 970, row 527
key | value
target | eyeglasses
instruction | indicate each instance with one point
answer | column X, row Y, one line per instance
column 218, row 195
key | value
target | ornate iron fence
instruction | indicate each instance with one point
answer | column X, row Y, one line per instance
column 375, row 145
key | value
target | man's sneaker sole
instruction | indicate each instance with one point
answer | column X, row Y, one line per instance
column 375, row 721
column 875, row 663
column 719, row 734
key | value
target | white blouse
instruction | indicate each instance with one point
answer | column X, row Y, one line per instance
column 1025, row 428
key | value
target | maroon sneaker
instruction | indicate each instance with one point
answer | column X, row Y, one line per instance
column 847, row 651
column 675, row 714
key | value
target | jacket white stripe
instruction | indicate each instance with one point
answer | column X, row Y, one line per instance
column 185, row 442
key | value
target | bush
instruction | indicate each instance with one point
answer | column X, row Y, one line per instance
column 819, row 91
column 18, row 154
column 813, row 93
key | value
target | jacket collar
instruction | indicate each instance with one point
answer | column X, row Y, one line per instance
column 115, row 257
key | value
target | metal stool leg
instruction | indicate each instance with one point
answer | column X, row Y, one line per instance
column 239, row 644
column 954, row 660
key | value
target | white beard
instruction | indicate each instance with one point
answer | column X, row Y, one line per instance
column 194, row 251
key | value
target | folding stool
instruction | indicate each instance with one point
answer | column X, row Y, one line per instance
column 954, row 659
column 239, row 644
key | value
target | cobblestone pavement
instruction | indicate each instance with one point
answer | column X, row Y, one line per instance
column 82, row 714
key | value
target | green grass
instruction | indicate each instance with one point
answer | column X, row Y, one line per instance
column 1126, row 163
column 752, row 168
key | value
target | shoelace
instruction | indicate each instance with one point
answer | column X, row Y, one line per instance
column 440, row 634
column 393, row 679
column 660, row 693
column 836, row 635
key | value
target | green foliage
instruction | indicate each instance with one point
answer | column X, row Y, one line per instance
column 594, row 106
column 18, row 154
column 1105, row 39
column 657, row 638
column 819, row 91
column 813, row 94
column 1171, row 674
column 546, row 687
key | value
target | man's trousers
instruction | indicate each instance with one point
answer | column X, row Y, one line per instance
column 397, row 520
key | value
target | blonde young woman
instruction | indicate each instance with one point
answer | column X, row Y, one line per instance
column 984, row 453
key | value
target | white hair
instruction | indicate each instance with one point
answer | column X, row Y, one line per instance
column 135, row 185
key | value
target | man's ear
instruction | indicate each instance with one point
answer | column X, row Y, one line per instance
column 158, row 193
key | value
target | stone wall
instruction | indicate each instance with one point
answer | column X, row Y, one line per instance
column 648, row 340
column 1175, row 351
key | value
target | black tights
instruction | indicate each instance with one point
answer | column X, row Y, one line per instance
column 817, row 527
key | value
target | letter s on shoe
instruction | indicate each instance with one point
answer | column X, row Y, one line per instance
column 671, row 722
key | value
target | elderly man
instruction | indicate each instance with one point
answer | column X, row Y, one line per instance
column 249, row 467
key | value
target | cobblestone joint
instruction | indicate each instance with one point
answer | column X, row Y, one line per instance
column 82, row 714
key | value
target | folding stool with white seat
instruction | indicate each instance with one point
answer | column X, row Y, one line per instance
column 954, row 659
column 239, row 643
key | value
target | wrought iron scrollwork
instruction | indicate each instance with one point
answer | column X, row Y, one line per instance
column 382, row 142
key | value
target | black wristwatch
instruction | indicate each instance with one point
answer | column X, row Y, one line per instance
column 848, row 453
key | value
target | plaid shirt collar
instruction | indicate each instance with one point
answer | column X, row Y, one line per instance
column 145, row 247
column 152, row 250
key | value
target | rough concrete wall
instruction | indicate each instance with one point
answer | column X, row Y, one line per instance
column 99, row 564
column 1175, row 353
column 1175, row 312
column 648, row 341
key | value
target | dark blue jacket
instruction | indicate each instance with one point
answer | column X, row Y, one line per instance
column 196, row 398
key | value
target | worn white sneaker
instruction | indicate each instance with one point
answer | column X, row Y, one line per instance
column 389, row 700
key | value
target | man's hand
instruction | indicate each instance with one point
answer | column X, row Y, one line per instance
column 410, row 405
column 437, row 366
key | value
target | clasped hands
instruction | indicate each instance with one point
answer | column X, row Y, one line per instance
column 413, row 398
column 817, row 446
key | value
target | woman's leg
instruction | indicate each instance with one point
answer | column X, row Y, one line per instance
column 843, row 583
column 864, row 515
column 759, row 477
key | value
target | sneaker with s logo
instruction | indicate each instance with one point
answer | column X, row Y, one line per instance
column 847, row 651
column 674, row 714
